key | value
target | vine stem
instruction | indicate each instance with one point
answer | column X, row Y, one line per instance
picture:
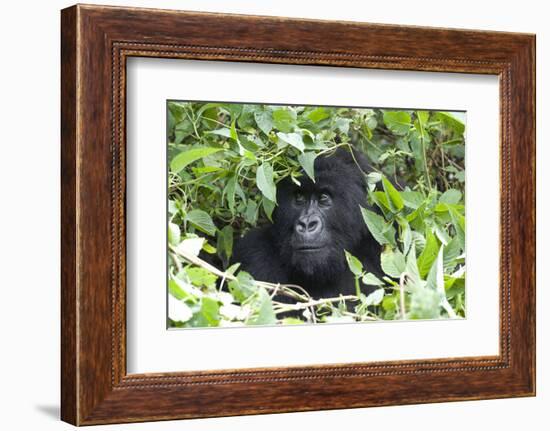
column 402, row 294
column 424, row 150
column 314, row 303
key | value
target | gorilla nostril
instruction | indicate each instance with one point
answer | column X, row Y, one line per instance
column 300, row 227
column 308, row 225
column 313, row 224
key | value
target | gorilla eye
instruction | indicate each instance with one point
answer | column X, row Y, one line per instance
column 299, row 198
column 324, row 199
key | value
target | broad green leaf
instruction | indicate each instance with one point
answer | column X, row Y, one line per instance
column 174, row 234
column 191, row 245
column 354, row 264
column 374, row 177
column 209, row 313
column 394, row 198
column 342, row 124
column 448, row 119
column 225, row 242
column 177, row 291
column 428, row 256
column 224, row 131
column 406, row 235
column 412, row 199
column 251, row 212
column 318, row 114
column 370, row 279
column 382, row 232
column 451, row 196
column 268, row 207
column 294, row 139
column 374, row 298
column 200, row 276
column 412, row 266
column 202, row 221
column 233, row 131
column 264, row 314
column 185, row 158
column 284, row 119
column 264, row 181
column 307, row 161
column 178, row 310
column 182, row 130
column 230, row 192
column 243, row 287
column 451, row 252
column 393, row 263
column 424, row 304
column 399, row 122
column 264, row 121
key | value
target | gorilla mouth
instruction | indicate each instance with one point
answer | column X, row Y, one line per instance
column 308, row 249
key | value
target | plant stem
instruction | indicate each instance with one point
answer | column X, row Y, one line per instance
column 423, row 143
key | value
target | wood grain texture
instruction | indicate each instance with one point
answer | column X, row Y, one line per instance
column 96, row 41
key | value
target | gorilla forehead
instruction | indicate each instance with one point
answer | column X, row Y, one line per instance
column 335, row 172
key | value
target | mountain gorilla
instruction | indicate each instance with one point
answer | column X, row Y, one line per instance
column 312, row 226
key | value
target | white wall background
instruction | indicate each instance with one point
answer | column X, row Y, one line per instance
column 29, row 215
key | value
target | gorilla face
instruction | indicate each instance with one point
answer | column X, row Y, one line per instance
column 316, row 221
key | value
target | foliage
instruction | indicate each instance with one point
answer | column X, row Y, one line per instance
column 225, row 161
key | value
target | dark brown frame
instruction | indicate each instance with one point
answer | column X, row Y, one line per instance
column 95, row 43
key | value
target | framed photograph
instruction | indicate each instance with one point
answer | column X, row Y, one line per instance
column 322, row 214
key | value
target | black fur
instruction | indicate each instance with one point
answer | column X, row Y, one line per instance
column 313, row 225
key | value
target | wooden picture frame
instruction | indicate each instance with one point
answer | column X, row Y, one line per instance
column 95, row 43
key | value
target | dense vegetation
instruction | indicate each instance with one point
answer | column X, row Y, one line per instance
column 225, row 163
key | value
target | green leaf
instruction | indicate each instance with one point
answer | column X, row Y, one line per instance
column 382, row 232
column 264, row 181
column 200, row 276
column 243, row 287
column 182, row 130
column 225, row 242
column 307, row 161
column 185, row 158
column 370, row 279
column 224, row 131
column 264, row 314
column 190, row 245
column 374, row 298
column 451, row 196
column 292, row 321
column 412, row 266
column 354, row 264
column 268, row 207
column 318, row 114
column 393, row 263
column 209, row 313
column 178, row 311
column 233, row 131
column 428, row 255
column 412, row 199
column 451, row 252
column 294, row 139
column 399, row 122
column 284, row 119
column 446, row 118
column 202, row 221
column 251, row 212
column 230, row 192
column 395, row 199
column 264, row 121
column 174, row 234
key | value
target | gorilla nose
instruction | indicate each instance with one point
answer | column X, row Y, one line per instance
column 308, row 225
